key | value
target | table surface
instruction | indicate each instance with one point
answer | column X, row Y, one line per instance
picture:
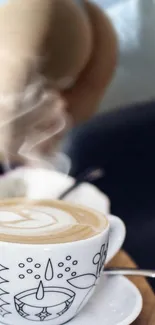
column 147, row 316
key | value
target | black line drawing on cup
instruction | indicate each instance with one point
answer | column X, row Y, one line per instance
column 3, row 311
column 83, row 302
column 84, row 281
column 44, row 303
column 29, row 259
column 29, row 267
column 3, row 302
column 100, row 258
column 2, row 280
column 49, row 272
column 3, row 268
column 89, row 281
column 68, row 265
column 40, row 292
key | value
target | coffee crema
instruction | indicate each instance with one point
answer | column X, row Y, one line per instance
column 47, row 222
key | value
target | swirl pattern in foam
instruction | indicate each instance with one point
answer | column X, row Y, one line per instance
column 47, row 222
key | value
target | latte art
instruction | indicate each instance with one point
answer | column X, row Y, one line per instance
column 38, row 220
column 44, row 222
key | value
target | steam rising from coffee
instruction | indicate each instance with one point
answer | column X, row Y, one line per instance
column 40, row 113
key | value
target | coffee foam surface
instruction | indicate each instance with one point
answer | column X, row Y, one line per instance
column 47, row 222
column 37, row 220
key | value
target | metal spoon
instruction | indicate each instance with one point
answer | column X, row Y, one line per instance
column 89, row 175
column 130, row 271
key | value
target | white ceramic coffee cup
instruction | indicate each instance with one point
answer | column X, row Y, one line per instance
column 51, row 283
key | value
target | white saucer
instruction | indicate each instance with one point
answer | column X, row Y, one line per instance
column 116, row 302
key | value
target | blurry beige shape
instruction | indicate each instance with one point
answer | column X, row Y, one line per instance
column 69, row 45
column 84, row 96
column 49, row 39
column 33, row 32
column 24, row 25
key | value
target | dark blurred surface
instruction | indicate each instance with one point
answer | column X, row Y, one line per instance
column 123, row 143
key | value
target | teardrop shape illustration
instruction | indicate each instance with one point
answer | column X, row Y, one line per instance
column 40, row 291
column 49, row 273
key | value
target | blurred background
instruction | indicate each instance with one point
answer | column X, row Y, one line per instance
column 135, row 76
column 121, row 137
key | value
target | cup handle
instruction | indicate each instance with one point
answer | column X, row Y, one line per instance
column 116, row 236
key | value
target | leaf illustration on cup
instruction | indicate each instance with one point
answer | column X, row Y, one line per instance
column 84, row 281
column 100, row 258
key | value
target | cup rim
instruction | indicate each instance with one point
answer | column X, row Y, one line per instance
column 76, row 242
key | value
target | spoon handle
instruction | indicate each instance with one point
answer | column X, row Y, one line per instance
column 130, row 271
column 89, row 175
